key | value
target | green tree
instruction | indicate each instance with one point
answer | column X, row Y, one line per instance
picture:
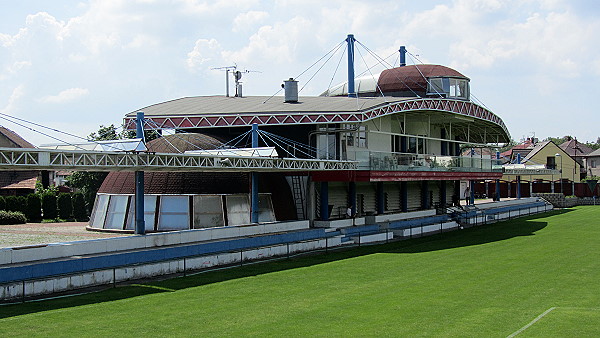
column 79, row 208
column 65, row 206
column 2, row 203
column 12, row 203
column 49, row 206
column 34, row 208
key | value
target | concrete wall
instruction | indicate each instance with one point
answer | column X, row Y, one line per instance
column 81, row 248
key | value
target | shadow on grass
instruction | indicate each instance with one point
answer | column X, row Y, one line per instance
column 525, row 226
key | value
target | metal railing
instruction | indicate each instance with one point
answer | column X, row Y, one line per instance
column 388, row 161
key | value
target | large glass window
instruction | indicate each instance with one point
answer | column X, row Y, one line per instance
column 174, row 213
column 117, row 209
column 449, row 87
column 149, row 212
column 208, row 211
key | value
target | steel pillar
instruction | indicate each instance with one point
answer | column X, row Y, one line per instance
column 443, row 199
column 380, row 198
column 324, row 197
column 254, row 179
column 140, row 225
column 352, row 196
column 350, row 40
column 518, row 187
column 497, row 190
column 404, row 195
column 471, row 188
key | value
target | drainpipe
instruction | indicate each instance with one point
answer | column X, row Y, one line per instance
column 140, row 226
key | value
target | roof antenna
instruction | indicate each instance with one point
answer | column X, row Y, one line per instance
column 227, row 70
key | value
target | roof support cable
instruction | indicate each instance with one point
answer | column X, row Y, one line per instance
column 8, row 117
column 183, row 139
column 411, row 55
column 318, row 70
column 200, row 137
column 372, row 76
column 42, row 133
column 292, row 142
column 277, row 144
column 336, row 69
column 333, row 50
column 384, row 62
column 271, row 136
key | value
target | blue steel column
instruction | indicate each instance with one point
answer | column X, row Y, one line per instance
column 425, row 202
column 350, row 40
column 352, row 196
column 254, row 178
column 471, row 188
column 380, row 198
column 402, row 51
column 498, row 181
column 140, row 226
column 404, row 195
column 518, row 187
column 443, row 199
column 324, row 201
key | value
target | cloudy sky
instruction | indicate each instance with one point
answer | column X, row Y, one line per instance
column 74, row 65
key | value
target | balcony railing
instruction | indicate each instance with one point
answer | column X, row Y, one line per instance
column 385, row 161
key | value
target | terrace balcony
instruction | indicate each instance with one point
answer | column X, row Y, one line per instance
column 387, row 161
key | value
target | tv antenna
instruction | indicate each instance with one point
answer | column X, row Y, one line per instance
column 237, row 75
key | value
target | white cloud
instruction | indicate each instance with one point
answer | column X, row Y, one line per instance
column 243, row 22
column 66, row 95
column 204, row 50
column 15, row 96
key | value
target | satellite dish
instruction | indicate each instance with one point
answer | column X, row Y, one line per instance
column 238, row 75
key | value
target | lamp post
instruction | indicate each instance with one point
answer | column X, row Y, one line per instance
column 561, row 170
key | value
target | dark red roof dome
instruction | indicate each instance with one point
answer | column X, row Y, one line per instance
column 413, row 78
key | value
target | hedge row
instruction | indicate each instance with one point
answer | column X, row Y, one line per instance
column 46, row 206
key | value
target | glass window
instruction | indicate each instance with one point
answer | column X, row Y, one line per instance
column 593, row 163
column 435, row 86
column 149, row 212
column 412, row 145
column 238, row 210
column 174, row 213
column 117, row 209
column 361, row 137
column 208, row 212
column 99, row 212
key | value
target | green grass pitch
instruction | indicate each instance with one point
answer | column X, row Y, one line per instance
column 489, row 281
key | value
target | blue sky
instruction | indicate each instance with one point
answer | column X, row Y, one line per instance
column 73, row 65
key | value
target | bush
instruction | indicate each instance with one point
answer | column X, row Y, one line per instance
column 49, row 206
column 34, row 208
column 21, row 204
column 12, row 217
column 65, row 207
column 2, row 203
column 79, row 208
column 12, row 203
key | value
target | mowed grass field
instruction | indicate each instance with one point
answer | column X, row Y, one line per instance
column 490, row 281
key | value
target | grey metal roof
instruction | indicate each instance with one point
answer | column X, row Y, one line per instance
column 202, row 105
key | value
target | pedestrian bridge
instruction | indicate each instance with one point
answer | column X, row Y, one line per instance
column 88, row 160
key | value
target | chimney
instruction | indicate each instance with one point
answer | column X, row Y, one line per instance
column 291, row 90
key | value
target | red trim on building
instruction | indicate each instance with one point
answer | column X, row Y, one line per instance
column 397, row 176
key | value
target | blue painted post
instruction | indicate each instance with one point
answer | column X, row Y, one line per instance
column 518, row 158
column 140, row 225
column 471, row 187
column 324, row 201
column 425, row 202
column 498, row 162
column 380, row 198
column 404, row 195
column 402, row 51
column 350, row 40
column 254, row 178
column 497, row 190
column 352, row 196
column 518, row 187
column 443, row 199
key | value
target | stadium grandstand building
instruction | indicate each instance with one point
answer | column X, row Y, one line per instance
column 405, row 127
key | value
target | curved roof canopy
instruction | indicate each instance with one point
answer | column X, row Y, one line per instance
column 220, row 111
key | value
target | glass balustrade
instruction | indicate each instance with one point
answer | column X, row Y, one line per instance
column 385, row 161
